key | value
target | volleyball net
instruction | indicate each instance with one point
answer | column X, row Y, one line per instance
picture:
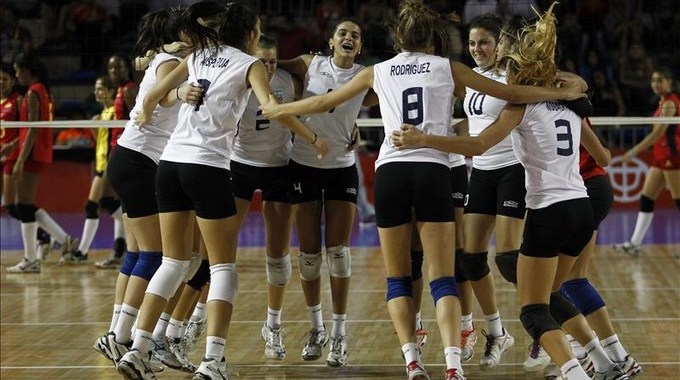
column 618, row 133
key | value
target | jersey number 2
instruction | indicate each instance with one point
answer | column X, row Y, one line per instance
column 205, row 84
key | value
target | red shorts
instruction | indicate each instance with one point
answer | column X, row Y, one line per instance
column 37, row 167
column 667, row 163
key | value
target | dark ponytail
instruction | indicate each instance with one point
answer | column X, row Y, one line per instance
column 201, row 22
column 157, row 29
column 240, row 20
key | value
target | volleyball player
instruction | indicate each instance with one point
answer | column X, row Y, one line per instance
column 193, row 179
column 33, row 157
column 101, row 194
column 327, row 188
column 559, row 215
column 132, row 171
column 421, row 175
column 259, row 161
column 665, row 170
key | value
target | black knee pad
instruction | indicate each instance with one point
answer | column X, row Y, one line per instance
column 110, row 204
column 43, row 236
column 26, row 212
column 201, row 277
column 119, row 247
column 677, row 203
column 507, row 264
column 91, row 210
column 537, row 320
column 416, row 265
column 460, row 272
column 561, row 309
column 475, row 266
column 12, row 211
column 646, row 204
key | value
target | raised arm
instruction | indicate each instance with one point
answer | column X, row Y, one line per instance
column 322, row 103
column 593, row 145
column 257, row 78
column 466, row 77
column 412, row 137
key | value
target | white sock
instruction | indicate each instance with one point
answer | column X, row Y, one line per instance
column 118, row 229
column 89, row 231
column 316, row 317
column 114, row 317
column 174, row 330
column 50, row 225
column 644, row 220
column 143, row 341
column 214, row 347
column 596, row 353
column 127, row 318
column 452, row 355
column 199, row 312
column 576, row 348
column 411, row 352
column 466, row 322
column 273, row 318
column 494, row 324
column 161, row 326
column 28, row 235
column 571, row 370
column 419, row 321
column 338, row 328
column 614, row 349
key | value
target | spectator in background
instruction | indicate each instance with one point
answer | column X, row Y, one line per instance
column 592, row 64
column 618, row 24
column 372, row 15
column 14, row 38
column 476, row 8
column 606, row 99
column 635, row 69
column 89, row 22
column 590, row 15
column 292, row 39
column 24, row 8
column 568, row 29
column 522, row 8
column 328, row 12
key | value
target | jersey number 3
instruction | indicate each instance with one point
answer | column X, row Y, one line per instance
column 566, row 136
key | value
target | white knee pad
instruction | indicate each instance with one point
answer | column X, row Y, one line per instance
column 310, row 265
column 195, row 263
column 223, row 283
column 339, row 261
column 168, row 277
column 278, row 270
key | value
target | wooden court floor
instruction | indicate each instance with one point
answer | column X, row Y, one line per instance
column 50, row 320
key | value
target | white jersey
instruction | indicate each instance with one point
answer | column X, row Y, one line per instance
column 204, row 132
column 482, row 110
column 547, row 144
column 334, row 126
column 152, row 138
column 260, row 142
column 414, row 88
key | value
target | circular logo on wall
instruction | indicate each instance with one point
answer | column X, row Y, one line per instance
column 627, row 178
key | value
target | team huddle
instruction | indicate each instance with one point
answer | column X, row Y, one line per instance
column 218, row 117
